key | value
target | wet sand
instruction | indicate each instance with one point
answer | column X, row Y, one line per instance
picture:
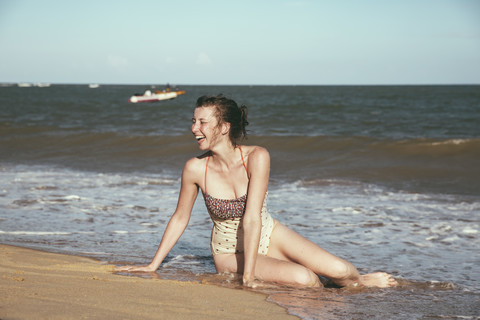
column 41, row 285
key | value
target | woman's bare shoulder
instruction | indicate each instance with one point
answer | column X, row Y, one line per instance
column 196, row 164
column 257, row 154
column 256, row 151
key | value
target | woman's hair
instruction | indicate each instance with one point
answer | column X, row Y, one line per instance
column 227, row 111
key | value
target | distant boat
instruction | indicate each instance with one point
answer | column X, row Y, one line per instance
column 93, row 85
column 28, row 84
column 42, row 85
column 157, row 95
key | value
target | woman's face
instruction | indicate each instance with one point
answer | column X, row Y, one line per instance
column 205, row 127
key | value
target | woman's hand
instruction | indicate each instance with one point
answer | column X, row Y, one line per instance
column 251, row 282
column 146, row 268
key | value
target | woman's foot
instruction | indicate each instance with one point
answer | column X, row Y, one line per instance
column 378, row 279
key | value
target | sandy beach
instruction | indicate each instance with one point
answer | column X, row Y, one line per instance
column 41, row 285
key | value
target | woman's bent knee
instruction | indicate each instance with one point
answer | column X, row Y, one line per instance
column 341, row 270
column 306, row 278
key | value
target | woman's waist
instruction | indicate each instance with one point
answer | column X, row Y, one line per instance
column 226, row 225
column 234, row 224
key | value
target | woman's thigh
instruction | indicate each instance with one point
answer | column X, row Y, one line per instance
column 269, row 269
column 286, row 244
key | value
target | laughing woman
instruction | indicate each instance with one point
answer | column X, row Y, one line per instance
column 233, row 179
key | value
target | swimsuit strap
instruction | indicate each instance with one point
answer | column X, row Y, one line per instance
column 244, row 165
column 206, row 167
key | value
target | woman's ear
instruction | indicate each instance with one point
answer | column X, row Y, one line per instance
column 225, row 128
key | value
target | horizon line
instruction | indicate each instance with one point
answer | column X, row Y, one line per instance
column 36, row 83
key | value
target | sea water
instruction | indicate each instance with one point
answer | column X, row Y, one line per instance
column 386, row 177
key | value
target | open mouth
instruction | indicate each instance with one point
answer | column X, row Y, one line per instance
column 199, row 138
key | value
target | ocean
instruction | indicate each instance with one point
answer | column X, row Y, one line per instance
column 387, row 177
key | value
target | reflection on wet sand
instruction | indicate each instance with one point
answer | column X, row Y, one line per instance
column 301, row 302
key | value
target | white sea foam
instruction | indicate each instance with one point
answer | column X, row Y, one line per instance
column 183, row 259
column 36, row 233
column 451, row 141
column 72, row 197
column 451, row 239
column 148, row 224
column 470, row 230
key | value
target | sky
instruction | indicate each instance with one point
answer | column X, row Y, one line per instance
column 241, row 42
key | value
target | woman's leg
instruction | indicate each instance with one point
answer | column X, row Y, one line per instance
column 286, row 244
column 269, row 269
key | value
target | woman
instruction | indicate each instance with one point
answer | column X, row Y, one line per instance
column 245, row 238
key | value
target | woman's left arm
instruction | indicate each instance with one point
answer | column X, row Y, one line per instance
column 259, row 172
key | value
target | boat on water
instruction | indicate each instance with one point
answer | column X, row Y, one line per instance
column 157, row 95
column 42, row 85
column 38, row 84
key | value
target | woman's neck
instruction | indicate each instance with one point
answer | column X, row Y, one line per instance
column 226, row 156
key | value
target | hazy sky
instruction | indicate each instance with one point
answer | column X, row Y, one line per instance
column 240, row 42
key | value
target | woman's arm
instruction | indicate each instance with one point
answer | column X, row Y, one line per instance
column 177, row 224
column 259, row 171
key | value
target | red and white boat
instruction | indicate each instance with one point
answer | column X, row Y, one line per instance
column 157, row 95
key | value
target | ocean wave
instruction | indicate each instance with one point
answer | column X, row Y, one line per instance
column 451, row 141
column 439, row 163
column 45, row 142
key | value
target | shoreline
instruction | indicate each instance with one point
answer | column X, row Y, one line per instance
column 39, row 285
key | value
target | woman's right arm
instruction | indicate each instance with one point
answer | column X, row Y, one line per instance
column 177, row 224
